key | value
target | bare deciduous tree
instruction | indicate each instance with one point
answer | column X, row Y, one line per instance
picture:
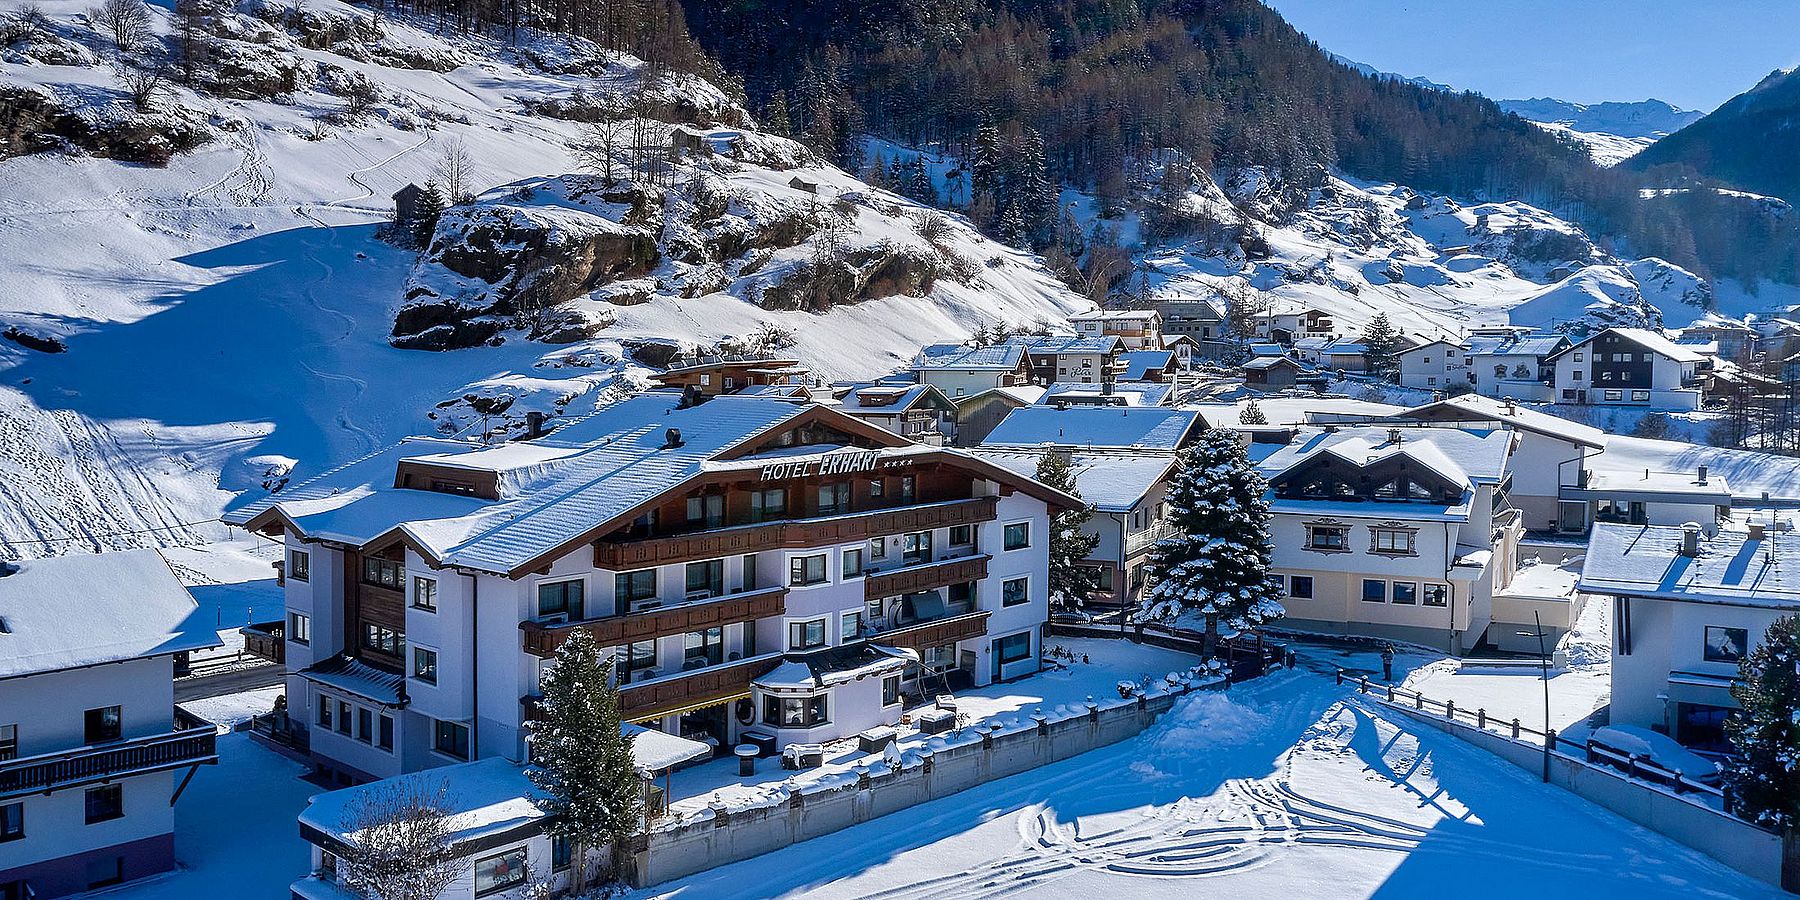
column 143, row 83
column 124, row 22
column 602, row 148
column 359, row 97
column 399, row 844
column 455, row 169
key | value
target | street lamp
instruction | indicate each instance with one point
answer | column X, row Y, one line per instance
column 1544, row 668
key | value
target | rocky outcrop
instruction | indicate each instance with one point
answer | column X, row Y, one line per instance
column 32, row 121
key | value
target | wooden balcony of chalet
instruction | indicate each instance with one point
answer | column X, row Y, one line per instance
column 639, row 553
column 923, row 577
column 542, row 639
column 266, row 640
column 684, row 691
column 935, row 633
column 188, row 743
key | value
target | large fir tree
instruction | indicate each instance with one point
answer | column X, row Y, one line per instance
column 1217, row 564
column 1765, row 779
column 582, row 759
column 1381, row 343
column 1070, row 581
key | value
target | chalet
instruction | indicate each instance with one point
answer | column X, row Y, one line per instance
column 1736, row 339
column 1083, row 359
column 960, row 371
column 1396, row 533
column 1109, row 393
column 977, row 415
column 1137, row 329
column 1434, row 366
column 406, row 207
column 1200, row 321
column 721, row 549
column 803, row 183
column 1629, row 367
column 1127, row 492
column 1342, row 354
column 1271, row 372
column 1687, row 608
column 93, row 752
column 1515, row 365
column 1151, row 429
column 1551, row 457
column 1148, row 365
column 1287, row 324
column 918, row 412
column 716, row 375
column 1186, row 350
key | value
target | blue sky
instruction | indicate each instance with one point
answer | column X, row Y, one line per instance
column 1695, row 54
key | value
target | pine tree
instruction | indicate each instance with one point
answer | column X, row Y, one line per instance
column 775, row 118
column 581, row 758
column 1012, row 228
column 984, row 172
column 1070, row 581
column 1380, row 345
column 1217, row 564
column 1765, row 779
column 425, row 215
column 1252, row 414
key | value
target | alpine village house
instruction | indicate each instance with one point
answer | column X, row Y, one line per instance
column 765, row 571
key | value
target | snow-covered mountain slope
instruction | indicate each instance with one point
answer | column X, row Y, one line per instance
column 201, row 326
column 1614, row 130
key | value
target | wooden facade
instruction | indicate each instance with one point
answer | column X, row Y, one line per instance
column 628, row 553
column 543, row 640
column 925, row 577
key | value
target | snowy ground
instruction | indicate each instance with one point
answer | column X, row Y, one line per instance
column 230, row 710
column 1284, row 787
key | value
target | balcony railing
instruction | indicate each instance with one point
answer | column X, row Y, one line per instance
column 936, row 633
column 48, row 772
column 925, row 577
column 266, row 640
column 740, row 539
column 542, row 639
column 1143, row 540
column 684, row 691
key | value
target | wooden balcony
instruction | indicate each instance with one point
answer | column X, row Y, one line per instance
column 49, row 772
column 266, row 640
column 741, row 539
column 935, row 633
column 690, row 690
column 542, row 640
column 925, row 577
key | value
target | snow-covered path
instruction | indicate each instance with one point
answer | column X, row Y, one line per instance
column 1289, row 786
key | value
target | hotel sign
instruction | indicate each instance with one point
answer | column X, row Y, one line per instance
column 829, row 464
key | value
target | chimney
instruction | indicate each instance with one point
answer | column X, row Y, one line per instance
column 1756, row 531
column 672, row 439
column 1702, row 474
column 1512, row 408
column 1690, row 540
column 534, row 425
column 691, row 395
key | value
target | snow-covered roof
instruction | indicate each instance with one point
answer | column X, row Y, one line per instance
column 654, row 751
column 1138, row 363
column 886, row 399
column 1055, row 343
column 835, row 665
column 1731, row 568
column 1345, row 347
column 1316, row 342
column 1127, row 393
column 1431, row 344
column 1460, row 456
column 1258, row 363
column 482, row 798
column 999, row 356
column 1266, row 348
column 1137, row 427
column 66, row 612
column 1653, row 341
column 1536, row 345
column 1475, row 408
column 1117, row 315
column 1110, row 482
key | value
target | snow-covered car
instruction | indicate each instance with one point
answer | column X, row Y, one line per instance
column 1660, row 749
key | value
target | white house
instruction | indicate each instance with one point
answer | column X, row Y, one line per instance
column 1398, row 533
column 1686, row 608
column 1136, row 329
column 918, row 412
column 961, row 371
column 1550, row 460
column 1084, row 359
column 1435, row 366
column 1631, row 367
column 93, row 753
column 720, row 548
column 1288, row 324
column 1514, row 365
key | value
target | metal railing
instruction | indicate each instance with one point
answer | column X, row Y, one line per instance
column 100, row 762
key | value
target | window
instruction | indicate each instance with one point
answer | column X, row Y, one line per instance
column 561, row 853
column 795, row 712
column 908, row 488
column 564, row 598
column 640, row 655
column 703, row 648
column 877, row 488
column 850, row 626
column 1500, row 371
column 451, row 739
column 804, row 570
column 1013, row 647
column 961, row 535
column 1406, row 593
column 834, row 499
column 768, row 504
column 853, row 562
column 500, row 872
column 12, row 821
column 1568, row 394
column 425, row 665
column 806, row 635
column 299, row 628
column 1577, row 375
column 105, row 803
column 1300, row 587
column 1327, row 537
column 1374, row 590
column 1640, row 396
column 1726, row 645
column 1437, row 595
column 424, row 593
column 707, row 510
column 1578, row 356
column 106, row 870
column 1017, row 536
column 1614, row 396
column 9, row 742
column 385, row 573
column 706, row 578
column 890, row 690
column 915, row 548
column 343, row 717
column 1392, row 540
column 382, row 639
column 878, row 548
column 299, row 565
column 632, row 588
column 102, row 725
column 1014, row 591
column 325, row 713
column 365, row 725
column 385, row 734
column 1606, row 376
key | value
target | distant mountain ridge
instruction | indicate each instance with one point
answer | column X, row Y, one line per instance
column 1749, row 142
column 1633, row 119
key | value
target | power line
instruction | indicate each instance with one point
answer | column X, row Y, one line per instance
column 105, row 534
